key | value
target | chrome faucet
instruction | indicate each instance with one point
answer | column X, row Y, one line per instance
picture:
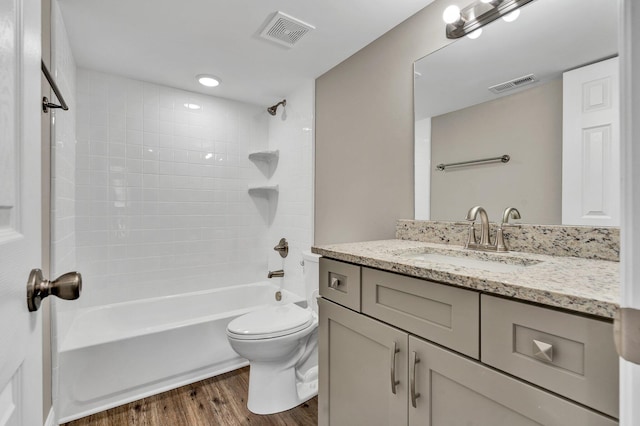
column 278, row 273
column 509, row 212
column 485, row 240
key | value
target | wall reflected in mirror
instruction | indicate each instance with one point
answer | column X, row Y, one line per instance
column 459, row 118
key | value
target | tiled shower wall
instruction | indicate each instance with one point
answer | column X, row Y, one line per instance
column 63, row 152
column 291, row 132
column 161, row 190
column 63, row 179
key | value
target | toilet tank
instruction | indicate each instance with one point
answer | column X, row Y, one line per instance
column 311, row 275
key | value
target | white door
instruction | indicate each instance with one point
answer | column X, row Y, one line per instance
column 591, row 145
column 20, row 212
column 630, row 230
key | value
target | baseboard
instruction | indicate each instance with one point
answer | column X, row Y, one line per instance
column 51, row 419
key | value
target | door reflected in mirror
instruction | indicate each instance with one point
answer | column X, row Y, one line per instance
column 505, row 93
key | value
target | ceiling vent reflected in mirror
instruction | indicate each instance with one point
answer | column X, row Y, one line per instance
column 513, row 84
column 285, row 30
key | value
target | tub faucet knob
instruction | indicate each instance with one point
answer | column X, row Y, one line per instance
column 282, row 247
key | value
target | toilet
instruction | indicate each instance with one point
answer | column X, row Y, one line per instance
column 281, row 344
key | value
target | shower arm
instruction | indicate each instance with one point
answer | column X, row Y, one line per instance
column 272, row 109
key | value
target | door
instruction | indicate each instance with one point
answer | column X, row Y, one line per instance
column 630, row 229
column 20, row 212
column 449, row 389
column 591, row 145
column 363, row 370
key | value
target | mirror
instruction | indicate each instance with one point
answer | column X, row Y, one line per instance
column 457, row 118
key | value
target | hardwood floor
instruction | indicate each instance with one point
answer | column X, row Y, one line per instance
column 217, row 401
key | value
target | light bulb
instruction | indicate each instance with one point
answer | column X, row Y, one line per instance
column 475, row 34
column 451, row 14
column 510, row 17
column 208, row 80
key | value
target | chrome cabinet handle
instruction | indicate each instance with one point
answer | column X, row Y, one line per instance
column 67, row 286
column 412, row 386
column 335, row 283
column 543, row 351
column 394, row 382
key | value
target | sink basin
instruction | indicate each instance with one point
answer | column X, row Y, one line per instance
column 486, row 261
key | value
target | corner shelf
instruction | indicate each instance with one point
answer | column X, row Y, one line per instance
column 266, row 156
column 264, row 189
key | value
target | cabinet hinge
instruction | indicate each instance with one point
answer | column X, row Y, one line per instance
column 626, row 333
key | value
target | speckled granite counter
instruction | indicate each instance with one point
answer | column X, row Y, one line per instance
column 577, row 284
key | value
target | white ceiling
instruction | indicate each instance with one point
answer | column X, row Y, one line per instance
column 169, row 42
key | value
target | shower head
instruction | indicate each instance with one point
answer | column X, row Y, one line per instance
column 272, row 109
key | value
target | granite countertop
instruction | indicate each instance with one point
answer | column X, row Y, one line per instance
column 577, row 284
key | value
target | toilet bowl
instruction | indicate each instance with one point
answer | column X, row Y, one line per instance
column 281, row 344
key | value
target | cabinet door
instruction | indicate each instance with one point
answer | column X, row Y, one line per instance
column 363, row 370
column 454, row 390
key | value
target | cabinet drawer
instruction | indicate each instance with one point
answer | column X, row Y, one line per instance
column 449, row 389
column 340, row 282
column 443, row 314
column 568, row 354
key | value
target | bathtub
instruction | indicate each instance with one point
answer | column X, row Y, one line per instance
column 114, row 354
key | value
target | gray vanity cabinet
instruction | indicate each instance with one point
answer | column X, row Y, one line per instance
column 407, row 351
column 455, row 390
column 363, row 374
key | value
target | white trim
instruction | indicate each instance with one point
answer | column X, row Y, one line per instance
column 51, row 418
column 630, row 231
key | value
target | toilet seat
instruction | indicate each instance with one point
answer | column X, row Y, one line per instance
column 274, row 321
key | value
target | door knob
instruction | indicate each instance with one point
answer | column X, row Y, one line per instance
column 67, row 286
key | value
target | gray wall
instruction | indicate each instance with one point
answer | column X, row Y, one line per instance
column 364, row 133
column 528, row 127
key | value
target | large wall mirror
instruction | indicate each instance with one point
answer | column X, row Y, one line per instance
column 458, row 118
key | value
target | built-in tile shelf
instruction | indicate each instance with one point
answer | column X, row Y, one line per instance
column 267, row 156
column 263, row 189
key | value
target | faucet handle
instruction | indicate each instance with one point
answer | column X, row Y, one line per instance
column 471, row 238
column 510, row 212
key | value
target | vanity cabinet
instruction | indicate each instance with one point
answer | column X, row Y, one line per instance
column 443, row 314
column 455, row 390
column 571, row 355
column 363, row 369
column 412, row 352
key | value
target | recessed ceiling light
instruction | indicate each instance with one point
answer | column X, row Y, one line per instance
column 192, row 106
column 208, row 80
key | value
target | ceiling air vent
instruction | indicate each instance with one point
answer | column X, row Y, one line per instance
column 285, row 30
column 513, row 84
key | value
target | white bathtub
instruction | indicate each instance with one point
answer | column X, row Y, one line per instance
column 119, row 353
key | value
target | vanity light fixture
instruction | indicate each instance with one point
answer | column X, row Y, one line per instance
column 475, row 34
column 510, row 17
column 478, row 14
column 208, row 80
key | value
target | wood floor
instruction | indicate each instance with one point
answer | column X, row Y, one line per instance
column 218, row 401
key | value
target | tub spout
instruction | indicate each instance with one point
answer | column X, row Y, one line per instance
column 278, row 273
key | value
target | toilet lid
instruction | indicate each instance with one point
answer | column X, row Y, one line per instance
column 269, row 322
